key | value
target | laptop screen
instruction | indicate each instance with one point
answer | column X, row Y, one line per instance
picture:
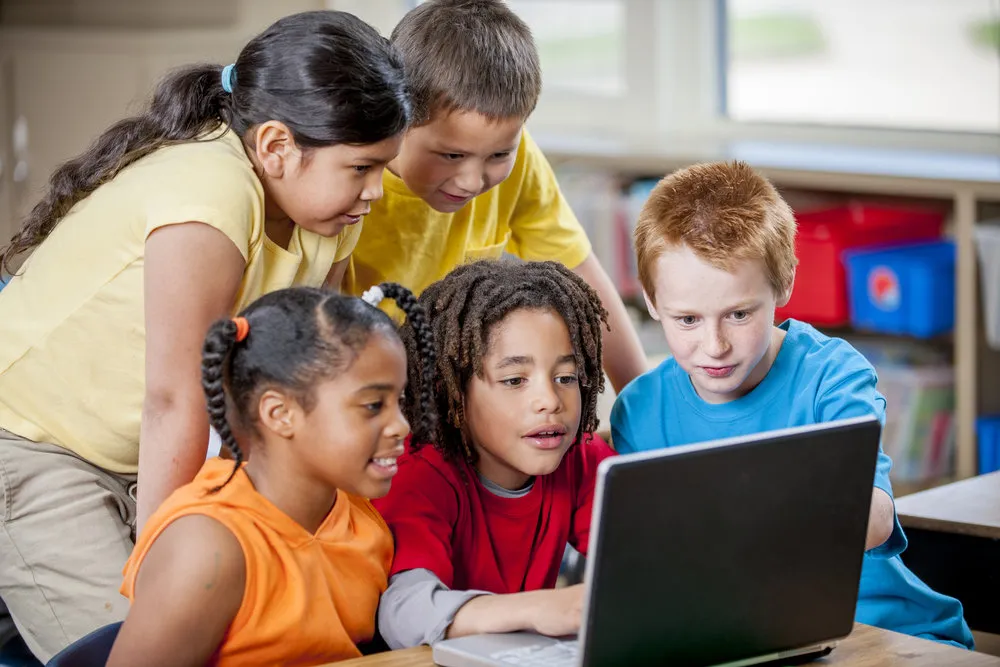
column 721, row 552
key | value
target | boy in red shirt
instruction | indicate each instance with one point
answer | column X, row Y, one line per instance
column 481, row 518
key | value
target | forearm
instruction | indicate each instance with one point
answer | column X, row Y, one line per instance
column 173, row 445
column 624, row 358
column 880, row 519
column 495, row 613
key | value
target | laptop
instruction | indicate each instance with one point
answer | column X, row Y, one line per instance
column 735, row 552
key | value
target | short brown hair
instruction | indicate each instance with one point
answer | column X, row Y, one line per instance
column 468, row 55
column 722, row 211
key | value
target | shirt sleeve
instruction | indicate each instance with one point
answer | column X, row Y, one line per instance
column 543, row 226
column 856, row 396
column 593, row 450
column 417, row 608
column 203, row 182
column 622, row 437
column 420, row 510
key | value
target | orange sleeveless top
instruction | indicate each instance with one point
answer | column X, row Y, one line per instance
column 309, row 598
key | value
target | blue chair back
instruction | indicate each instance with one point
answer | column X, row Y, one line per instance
column 90, row 651
column 16, row 654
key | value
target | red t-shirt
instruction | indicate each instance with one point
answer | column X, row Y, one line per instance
column 445, row 521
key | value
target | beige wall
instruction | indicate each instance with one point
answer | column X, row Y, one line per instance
column 71, row 68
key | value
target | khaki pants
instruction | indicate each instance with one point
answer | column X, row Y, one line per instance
column 66, row 529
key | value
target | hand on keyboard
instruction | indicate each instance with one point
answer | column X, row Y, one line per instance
column 557, row 612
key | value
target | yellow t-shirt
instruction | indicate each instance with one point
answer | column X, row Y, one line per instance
column 72, row 333
column 408, row 242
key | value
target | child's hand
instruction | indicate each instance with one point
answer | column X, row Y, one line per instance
column 557, row 612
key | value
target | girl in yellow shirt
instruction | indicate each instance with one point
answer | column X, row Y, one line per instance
column 235, row 182
column 281, row 560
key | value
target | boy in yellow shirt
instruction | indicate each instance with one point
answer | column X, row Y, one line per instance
column 469, row 183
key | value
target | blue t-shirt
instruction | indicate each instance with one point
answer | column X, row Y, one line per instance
column 814, row 379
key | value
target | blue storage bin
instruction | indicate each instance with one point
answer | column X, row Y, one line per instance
column 905, row 290
column 988, row 437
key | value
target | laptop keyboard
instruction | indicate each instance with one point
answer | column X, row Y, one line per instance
column 561, row 654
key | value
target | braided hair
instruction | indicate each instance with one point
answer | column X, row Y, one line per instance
column 463, row 308
column 296, row 338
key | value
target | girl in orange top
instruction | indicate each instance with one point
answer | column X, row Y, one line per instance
column 280, row 559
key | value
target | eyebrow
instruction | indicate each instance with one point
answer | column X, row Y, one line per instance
column 743, row 305
column 507, row 362
column 370, row 158
column 381, row 387
column 453, row 149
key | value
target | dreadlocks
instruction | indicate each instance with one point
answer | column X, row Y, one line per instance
column 463, row 308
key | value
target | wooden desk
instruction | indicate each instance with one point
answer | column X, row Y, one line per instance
column 954, row 535
column 968, row 507
column 865, row 647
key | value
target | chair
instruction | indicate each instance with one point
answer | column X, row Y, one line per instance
column 90, row 651
column 16, row 654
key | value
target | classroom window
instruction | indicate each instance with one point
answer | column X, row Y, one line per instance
column 901, row 64
column 580, row 44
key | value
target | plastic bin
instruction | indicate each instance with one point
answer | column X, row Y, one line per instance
column 988, row 246
column 906, row 290
column 988, row 437
column 919, row 433
column 820, row 295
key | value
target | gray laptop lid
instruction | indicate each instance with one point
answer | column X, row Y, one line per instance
column 714, row 553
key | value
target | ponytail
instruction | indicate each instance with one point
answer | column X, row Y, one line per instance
column 328, row 76
column 186, row 104
column 222, row 337
column 423, row 364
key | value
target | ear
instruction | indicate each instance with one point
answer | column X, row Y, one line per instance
column 277, row 413
column 275, row 148
column 787, row 294
column 650, row 307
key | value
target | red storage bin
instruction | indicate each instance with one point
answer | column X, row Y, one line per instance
column 820, row 292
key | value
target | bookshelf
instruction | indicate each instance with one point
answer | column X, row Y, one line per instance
column 967, row 182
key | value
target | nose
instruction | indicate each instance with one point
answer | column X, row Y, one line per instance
column 373, row 186
column 545, row 399
column 472, row 178
column 398, row 427
column 715, row 343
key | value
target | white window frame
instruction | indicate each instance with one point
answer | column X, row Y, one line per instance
column 691, row 81
column 674, row 87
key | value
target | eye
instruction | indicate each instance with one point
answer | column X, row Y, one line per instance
column 512, row 382
column 501, row 156
column 362, row 168
column 452, row 156
column 375, row 407
column 688, row 320
column 567, row 379
column 740, row 315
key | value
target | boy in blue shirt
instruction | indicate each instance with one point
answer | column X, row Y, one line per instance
column 716, row 256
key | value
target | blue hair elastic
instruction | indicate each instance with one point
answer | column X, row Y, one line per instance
column 227, row 77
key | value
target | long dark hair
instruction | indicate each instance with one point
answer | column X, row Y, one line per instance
column 329, row 76
column 297, row 337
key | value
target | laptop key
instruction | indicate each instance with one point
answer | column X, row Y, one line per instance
column 561, row 654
